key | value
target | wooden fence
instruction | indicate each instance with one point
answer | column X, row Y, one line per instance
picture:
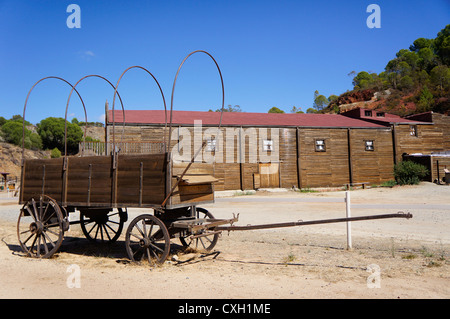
column 102, row 148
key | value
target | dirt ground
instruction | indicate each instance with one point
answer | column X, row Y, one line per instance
column 390, row 258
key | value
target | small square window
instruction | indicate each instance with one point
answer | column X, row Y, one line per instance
column 211, row 145
column 380, row 114
column 267, row 145
column 320, row 146
column 367, row 113
column 369, row 145
column 413, row 130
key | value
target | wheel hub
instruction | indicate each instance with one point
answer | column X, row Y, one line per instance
column 36, row 228
column 144, row 242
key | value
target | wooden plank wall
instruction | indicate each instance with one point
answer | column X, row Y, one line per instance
column 329, row 168
column 429, row 139
column 288, row 157
column 374, row 166
column 317, row 169
column 442, row 123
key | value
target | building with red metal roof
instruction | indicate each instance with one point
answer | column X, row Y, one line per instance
column 263, row 150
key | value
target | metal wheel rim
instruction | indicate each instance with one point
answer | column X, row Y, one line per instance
column 40, row 227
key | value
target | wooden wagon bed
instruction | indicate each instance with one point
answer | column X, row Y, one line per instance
column 117, row 181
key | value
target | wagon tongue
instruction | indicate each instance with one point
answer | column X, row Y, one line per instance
column 313, row 222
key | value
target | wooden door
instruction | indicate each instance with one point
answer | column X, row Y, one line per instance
column 269, row 175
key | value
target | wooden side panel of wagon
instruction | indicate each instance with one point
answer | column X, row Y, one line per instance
column 196, row 186
column 42, row 176
column 141, row 179
column 89, row 181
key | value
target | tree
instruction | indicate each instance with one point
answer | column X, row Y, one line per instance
column 229, row 108
column 275, row 110
column 425, row 99
column 361, row 79
column 311, row 110
column 13, row 133
column 406, row 83
column 320, row 101
column 442, row 45
column 421, row 43
column 51, row 131
column 296, row 110
column 440, row 77
column 332, row 98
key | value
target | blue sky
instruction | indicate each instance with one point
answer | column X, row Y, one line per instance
column 271, row 53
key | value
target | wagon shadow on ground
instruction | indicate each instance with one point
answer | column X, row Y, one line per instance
column 115, row 251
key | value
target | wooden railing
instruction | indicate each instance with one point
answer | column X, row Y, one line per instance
column 102, row 148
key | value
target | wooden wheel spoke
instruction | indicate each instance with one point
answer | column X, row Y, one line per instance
column 37, row 237
column 156, row 248
column 153, row 242
column 134, row 235
column 106, row 232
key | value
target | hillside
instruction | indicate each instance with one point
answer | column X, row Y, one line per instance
column 417, row 80
column 11, row 155
column 11, row 158
column 389, row 100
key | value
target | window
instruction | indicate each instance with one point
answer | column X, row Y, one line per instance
column 413, row 130
column 367, row 113
column 267, row 145
column 380, row 114
column 211, row 145
column 320, row 146
column 369, row 145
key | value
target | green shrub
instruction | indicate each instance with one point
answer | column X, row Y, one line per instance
column 56, row 153
column 409, row 173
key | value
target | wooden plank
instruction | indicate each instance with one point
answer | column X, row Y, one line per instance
column 198, row 179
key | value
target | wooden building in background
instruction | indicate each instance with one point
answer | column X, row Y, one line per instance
column 266, row 150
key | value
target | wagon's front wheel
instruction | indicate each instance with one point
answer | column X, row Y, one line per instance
column 40, row 228
column 147, row 238
column 201, row 240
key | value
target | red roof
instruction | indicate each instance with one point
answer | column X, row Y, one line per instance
column 360, row 113
column 238, row 119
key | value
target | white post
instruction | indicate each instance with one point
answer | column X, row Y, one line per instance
column 349, row 230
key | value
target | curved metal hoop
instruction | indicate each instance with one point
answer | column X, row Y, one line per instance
column 26, row 101
column 67, row 107
column 174, row 82
column 170, row 125
column 162, row 94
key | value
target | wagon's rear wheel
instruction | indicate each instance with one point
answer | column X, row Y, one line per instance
column 103, row 227
column 206, row 242
column 40, row 228
column 147, row 238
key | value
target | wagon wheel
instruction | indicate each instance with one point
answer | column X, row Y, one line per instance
column 103, row 227
column 147, row 238
column 206, row 242
column 40, row 227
